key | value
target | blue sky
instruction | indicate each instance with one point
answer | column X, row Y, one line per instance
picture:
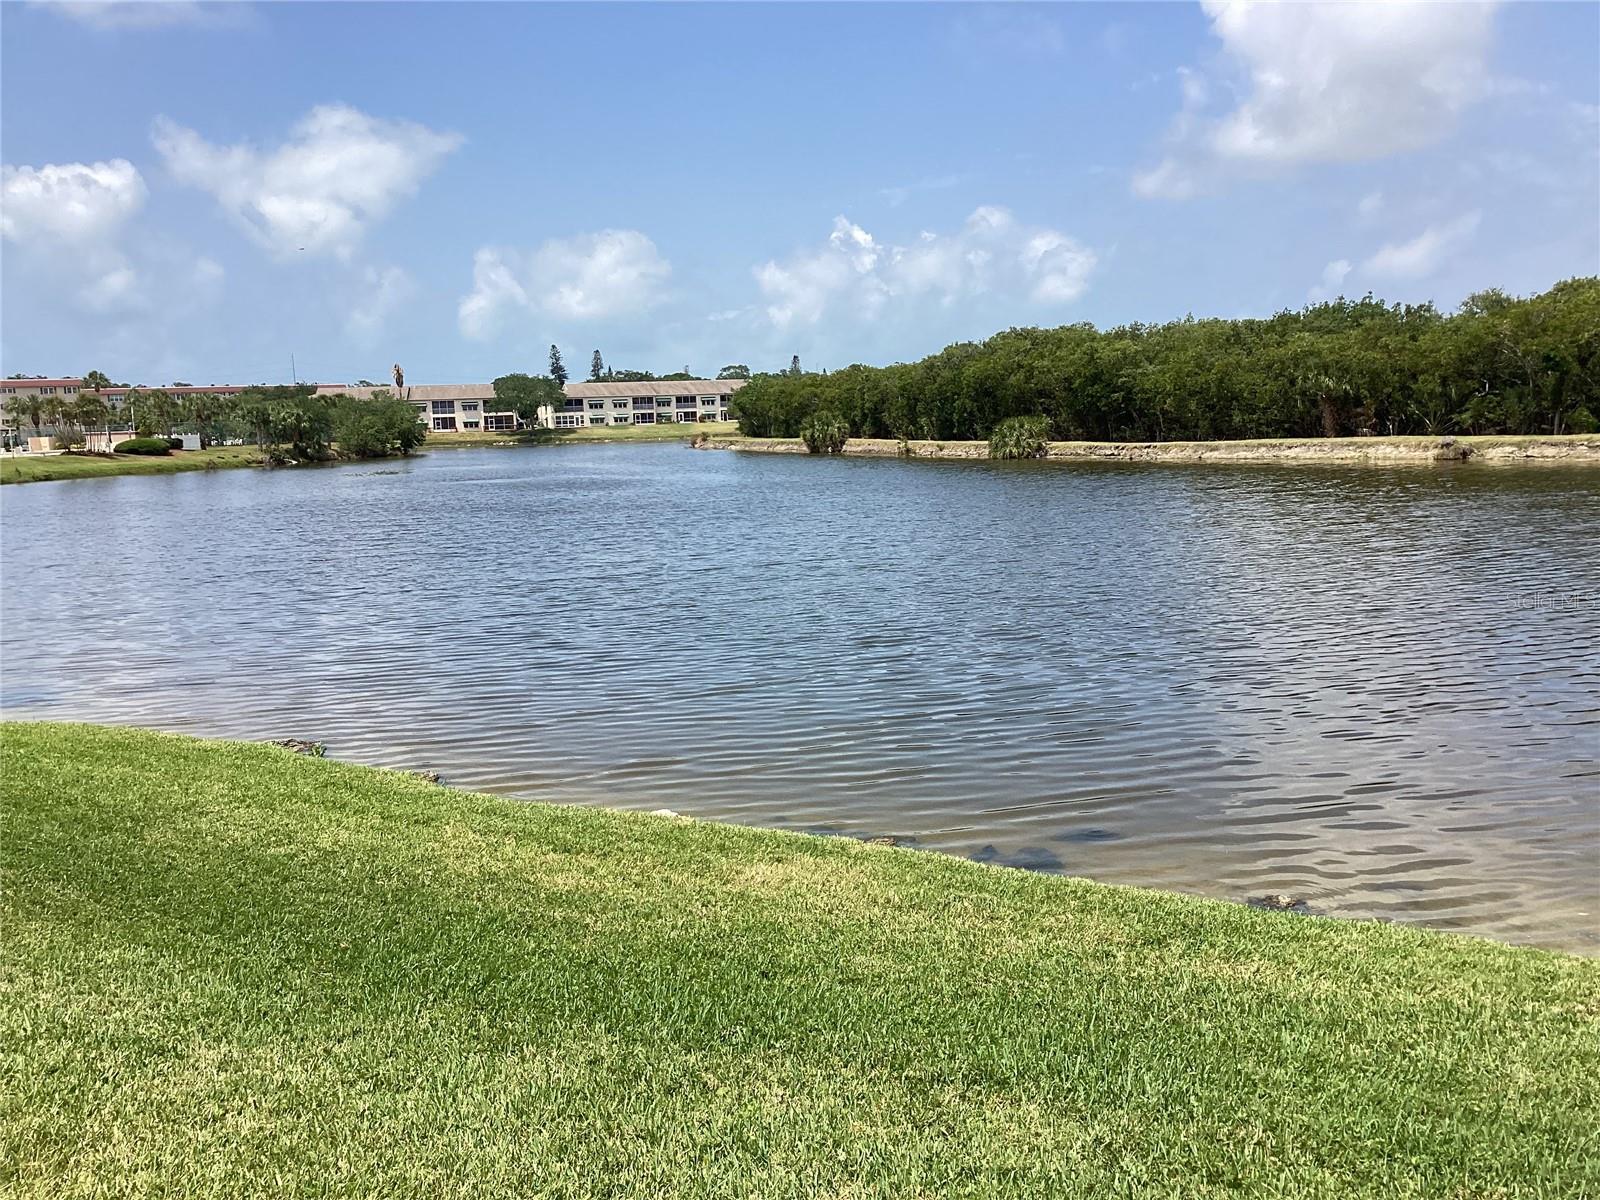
column 199, row 192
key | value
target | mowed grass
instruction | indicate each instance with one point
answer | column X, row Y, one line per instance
column 44, row 467
column 232, row 971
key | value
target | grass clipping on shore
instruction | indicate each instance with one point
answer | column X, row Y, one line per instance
column 232, row 971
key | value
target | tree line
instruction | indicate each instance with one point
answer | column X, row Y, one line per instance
column 287, row 423
column 1500, row 364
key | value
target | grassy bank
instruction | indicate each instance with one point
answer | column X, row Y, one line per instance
column 234, row 971
column 1573, row 448
column 44, row 467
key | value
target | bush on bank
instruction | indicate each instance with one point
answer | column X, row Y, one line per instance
column 143, row 445
column 1019, row 437
column 824, row 433
column 1347, row 367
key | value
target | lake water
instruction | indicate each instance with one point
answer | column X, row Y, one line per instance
column 1377, row 690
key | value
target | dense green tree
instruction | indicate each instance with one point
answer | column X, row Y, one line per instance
column 96, row 381
column 525, row 395
column 1347, row 367
column 597, row 368
column 734, row 371
column 558, row 370
column 377, row 427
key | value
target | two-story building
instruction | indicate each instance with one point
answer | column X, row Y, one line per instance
column 655, row 402
column 471, row 407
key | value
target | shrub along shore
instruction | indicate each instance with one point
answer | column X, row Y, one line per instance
column 232, row 970
column 1568, row 448
column 41, row 468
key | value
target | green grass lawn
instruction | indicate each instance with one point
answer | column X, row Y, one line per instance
column 43, row 467
column 231, row 971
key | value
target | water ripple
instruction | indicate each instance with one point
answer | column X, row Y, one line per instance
column 1348, row 685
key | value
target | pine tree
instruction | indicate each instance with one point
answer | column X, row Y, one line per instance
column 597, row 367
column 794, row 364
column 558, row 370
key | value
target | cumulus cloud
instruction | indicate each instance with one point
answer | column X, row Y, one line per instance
column 592, row 275
column 1422, row 255
column 339, row 172
column 379, row 293
column 69, row 202
column 115, row 15
column 1333, row 276
column 991, row 252
column 65, row 219
column 1325, row 82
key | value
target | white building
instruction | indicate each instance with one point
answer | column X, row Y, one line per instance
column 471, row 407
column 657, row 402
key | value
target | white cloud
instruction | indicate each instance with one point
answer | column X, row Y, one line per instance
column 379, row 294
column 340, row 171
column 1327, row 82
column 114, row 15
column 66, row 220
column 991, row 252
column 1333, row 276
column 70, row 202
column 1422, row 255
column 589, row 276
column 1370, row 205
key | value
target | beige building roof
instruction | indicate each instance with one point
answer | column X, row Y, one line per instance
column 654, row 387
column 575, row 391
column 416, row 393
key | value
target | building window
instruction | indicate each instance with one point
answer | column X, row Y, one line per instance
column 444, row 406
column 597, row 406
column 568, row 420
column 619, row 404
column 445, row 424
column 648, row 418
column 469, row 424
column 663, row 401
column 469, row 406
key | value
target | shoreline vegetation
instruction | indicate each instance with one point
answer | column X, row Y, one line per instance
column 1500, row 365
column 44, row 468
column 233, row 969
column 1582, row 449
column 1380, row 451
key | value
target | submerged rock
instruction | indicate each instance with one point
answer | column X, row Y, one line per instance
column 301, row 746
column 1279, row 902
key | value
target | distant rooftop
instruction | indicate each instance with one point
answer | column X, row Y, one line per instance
column 654, row 387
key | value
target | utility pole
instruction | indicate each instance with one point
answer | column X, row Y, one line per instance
column 294, row 376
